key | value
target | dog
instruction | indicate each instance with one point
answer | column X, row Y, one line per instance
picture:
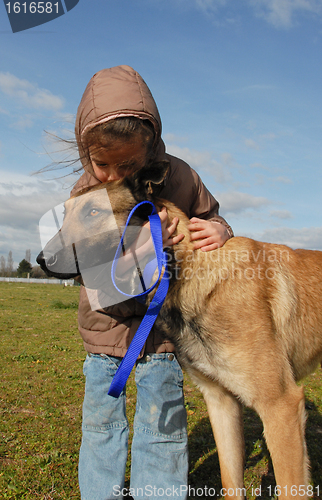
column 245, row 319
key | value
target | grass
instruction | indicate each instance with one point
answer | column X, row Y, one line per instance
column 41, row 397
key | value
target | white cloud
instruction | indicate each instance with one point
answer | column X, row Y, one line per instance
column 202, row 161
column 264, row 179
column 281, row 13
column 250, row 143
column 66, row 118
column 259, row 165
column 29, row 94
column 307, row 237
column 228, row 160
column 260, row 143
column 235, row 202
column 23, row 123
column 22, row 204
column 283, row 180
column 173, row 138
column 251, row 88
column 281, row 214
column 4, row 112
column 270, row 136
column 207, row 5
column 23, row 201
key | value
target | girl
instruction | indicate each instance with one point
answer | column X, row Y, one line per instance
column 118, row 131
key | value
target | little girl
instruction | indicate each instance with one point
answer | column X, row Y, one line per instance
column 118, row 131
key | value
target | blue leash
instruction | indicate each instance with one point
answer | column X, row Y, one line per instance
column 144, row 329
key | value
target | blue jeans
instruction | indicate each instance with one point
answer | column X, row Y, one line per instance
column 159, row 453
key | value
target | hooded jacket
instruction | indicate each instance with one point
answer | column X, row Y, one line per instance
column 112, row 93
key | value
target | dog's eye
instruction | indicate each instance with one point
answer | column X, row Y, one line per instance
column 93, row 212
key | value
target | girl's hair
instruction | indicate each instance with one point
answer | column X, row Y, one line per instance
column 104, row 135
column 120, row 129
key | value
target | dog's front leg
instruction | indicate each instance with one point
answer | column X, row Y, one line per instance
column 225, row 414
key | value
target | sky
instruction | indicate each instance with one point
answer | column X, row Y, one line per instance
column 237, row 84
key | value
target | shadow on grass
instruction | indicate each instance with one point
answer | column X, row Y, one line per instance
column 203, row 457
column 204, row 463
column 313, row 439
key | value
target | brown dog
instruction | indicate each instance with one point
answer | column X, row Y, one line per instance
column 246, row 320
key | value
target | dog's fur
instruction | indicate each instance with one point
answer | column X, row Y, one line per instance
column 246, row 321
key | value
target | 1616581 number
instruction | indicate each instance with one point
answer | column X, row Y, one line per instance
column 294, row 491
column 32, row 7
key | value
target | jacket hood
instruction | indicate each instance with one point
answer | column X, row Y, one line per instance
column 113, row 93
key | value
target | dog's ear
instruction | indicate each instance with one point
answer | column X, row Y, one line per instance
column 147, row 182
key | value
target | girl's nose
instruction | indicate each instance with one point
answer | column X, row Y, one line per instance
column 113, row 175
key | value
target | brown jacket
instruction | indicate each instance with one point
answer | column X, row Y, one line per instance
column 111, row 93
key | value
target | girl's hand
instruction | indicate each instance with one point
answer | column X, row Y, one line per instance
column 208, row 235
column 167, row 232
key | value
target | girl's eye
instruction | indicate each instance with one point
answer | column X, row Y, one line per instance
column 93, row 212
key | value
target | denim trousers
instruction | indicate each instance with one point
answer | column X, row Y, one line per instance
column 159, row 452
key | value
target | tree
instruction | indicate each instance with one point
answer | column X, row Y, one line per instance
column 37, row 272
column 24, row 269
column 3, row 267
column 28, row 255
column 10, row 264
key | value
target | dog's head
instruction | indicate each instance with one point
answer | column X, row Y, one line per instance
column 93, row 220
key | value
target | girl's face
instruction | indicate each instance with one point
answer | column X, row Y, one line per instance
column 119, row 160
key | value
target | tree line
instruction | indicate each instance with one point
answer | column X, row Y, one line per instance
column 24, row 269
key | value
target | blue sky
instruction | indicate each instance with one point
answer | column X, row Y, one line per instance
column 238, row 86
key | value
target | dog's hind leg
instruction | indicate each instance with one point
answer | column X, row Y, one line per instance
column 225, row 414
column 284, row 430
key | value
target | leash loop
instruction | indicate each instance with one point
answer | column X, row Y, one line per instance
column 147, row 323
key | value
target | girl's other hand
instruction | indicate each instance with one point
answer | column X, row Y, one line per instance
column 207, row 235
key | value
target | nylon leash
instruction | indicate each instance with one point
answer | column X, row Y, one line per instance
column 146, row 324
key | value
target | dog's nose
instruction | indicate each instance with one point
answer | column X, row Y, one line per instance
column 40, row 259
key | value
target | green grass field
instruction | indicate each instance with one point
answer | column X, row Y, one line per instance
column 41, row 396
